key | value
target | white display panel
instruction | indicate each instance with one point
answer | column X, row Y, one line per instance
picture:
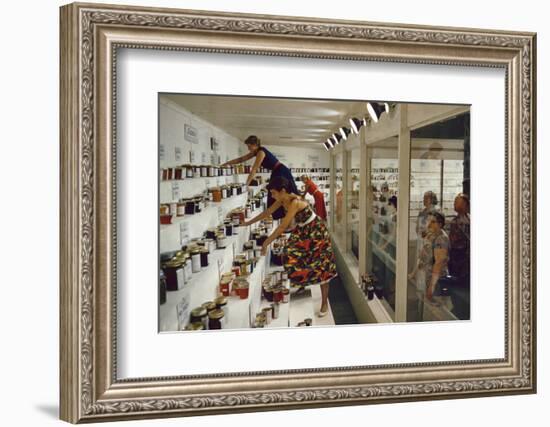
column 143, row 352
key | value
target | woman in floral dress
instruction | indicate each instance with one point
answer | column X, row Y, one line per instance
column 309, row 258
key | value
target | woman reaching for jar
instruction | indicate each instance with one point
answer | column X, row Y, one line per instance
column 311, row 188
column 264, row 158
column 309, row 258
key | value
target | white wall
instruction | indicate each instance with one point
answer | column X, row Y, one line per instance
column 298, row 157
column 29, row 134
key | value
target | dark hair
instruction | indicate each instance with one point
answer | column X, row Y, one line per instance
column 439, row 218
column 393, row 201
column 464, row 197
column 432, row 196
column 252, row 140
column 279, row 183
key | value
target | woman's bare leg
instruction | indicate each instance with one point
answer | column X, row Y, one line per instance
column 324, row 297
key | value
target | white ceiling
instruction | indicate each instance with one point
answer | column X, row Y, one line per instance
column 295, row 122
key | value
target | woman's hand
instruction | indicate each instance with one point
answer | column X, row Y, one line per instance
column 429, row 293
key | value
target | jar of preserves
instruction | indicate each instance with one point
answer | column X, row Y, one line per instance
column 177, row 172
column 221, row 303
column 216, row 194
column 205, row 257
column 173, row 272
column 209, row 305
column 242, row 288
column 189, row 206
column 199, row 314
column 204, row 171
column 228, row 228
column 195, row 326
column 225, row 283
column 196, row 172
column 286, row 295
column 215, row 319
column 181, row 208
column 221, row 241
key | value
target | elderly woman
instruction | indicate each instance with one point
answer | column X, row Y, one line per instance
column 318, row 196
column 264, row 157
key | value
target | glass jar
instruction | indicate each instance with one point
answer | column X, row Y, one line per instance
column 268, row 293
column 277, row 294
column 225, row 283
column 215, row 319
column 189, row 206
column 199, row 314
column 181, row 208
column 196, row 172
column 188, row 171
column 259, row 321
column 242, row 289
column 195, row 326
column 174, row 274
column 205, row 257
column 216, row 194
column 221, row 241
column 275, row 309
column 221, row 304
column 286, row 295
column 228, row 228
column 211, row 233
column 209, row 305
column 177, row 172
column 204, row 171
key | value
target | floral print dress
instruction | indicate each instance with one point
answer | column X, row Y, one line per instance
column 309, row 258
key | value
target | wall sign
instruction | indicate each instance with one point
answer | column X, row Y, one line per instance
column 191, row 134
column 161, row 152
column 214, row 145
column 191, row 156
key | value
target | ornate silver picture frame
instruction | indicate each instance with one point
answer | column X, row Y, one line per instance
column 91, row 36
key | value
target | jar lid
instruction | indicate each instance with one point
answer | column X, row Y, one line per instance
column 173, row 263
column 205, row 304
column 216, row 314
column 195, row 326
column 205, row 250
column 220, row 301
column 198, row 312
column 211, row 306
column 196, row 251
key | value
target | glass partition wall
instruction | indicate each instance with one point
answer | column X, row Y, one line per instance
column 403, row 213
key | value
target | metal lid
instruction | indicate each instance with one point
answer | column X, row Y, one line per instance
column 220, row 301
column 216, row 314
column 210, row 306
column 198, row 312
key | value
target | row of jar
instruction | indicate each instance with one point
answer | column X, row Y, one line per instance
column 310, row 170
column 204, row 171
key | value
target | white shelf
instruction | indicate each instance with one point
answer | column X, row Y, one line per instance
column 203, row 287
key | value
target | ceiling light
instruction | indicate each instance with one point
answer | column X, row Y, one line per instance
column 330, row 143
column 344, row 131
column 336, row 137
column 356, row 124
column 376, row 109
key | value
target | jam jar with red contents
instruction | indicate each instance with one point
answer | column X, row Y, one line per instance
column 242, row 287
column 215, row 319
column 216, row 194
column 225, row 283
column 178, row 172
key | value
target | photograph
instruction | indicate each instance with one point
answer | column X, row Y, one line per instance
column 265, row 214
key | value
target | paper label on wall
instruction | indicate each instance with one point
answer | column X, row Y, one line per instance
column 220, row 214
column 214, row 145
column 161, row 152
column 178, row 154
column 191, row 156
column 182, row 312
column 311, row 158
column 203, row 158
column 226, row 158
column 184, row 233
column 176, row 191
column 191, row 134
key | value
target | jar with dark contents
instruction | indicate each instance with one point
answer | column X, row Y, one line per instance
column 221, row 303
column 205, row 255
column 199, row 314
column 228, row 228
column 215, row 319
column 162, row 288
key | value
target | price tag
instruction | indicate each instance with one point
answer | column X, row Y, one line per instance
column 220, row 215
column 176, row 192
column 191, row 156
column 161, row 152
column 178, row 154
column 203, row 158
column 182, row 312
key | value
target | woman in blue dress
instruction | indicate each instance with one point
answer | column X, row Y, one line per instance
column 267, row 160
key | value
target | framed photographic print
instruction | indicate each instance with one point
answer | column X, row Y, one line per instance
column 267, row 212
